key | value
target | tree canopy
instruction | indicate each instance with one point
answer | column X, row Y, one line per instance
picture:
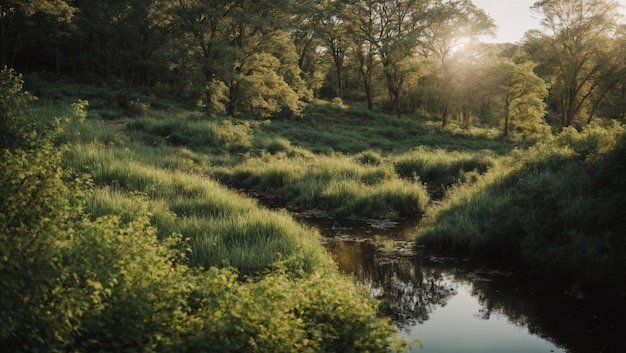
column 269, row 58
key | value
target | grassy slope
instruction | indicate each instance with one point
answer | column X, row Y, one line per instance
column 556, row 208
column 551, row 207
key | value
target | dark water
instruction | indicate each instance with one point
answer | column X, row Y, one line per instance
column 454, row 305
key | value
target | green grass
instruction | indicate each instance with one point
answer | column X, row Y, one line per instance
column 346, row 161
column 495, row 198
column 340, row 185
column 224, row 227
column 556, row 208
column 439, row 167
column 328, row 128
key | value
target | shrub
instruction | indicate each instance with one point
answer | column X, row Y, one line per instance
column 14, row 102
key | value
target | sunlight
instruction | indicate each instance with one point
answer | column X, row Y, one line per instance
column 457, row 45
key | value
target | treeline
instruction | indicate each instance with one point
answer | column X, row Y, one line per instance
column 267, row 58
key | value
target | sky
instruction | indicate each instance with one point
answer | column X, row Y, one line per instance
column 513, row 18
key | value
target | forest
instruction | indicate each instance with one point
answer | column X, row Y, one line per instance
column 142, row 140
column 270, row 58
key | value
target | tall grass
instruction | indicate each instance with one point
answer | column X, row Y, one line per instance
column 438, row 167
column 329, row 128
column 224, row 227
column 341, row 185
column 556, row 208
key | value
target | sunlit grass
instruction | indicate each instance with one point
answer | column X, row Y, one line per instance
column 338, row 184
column 439, row 167
column 224, row 228
column 551, row 208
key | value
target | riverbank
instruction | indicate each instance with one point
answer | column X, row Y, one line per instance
column 552, row 206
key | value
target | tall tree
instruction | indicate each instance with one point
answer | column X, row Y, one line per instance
column 394, row 28
column 572, row 51
column 453, row 24
column 240, row 48
column 332, row 28
column 522, row 93
column 199, row 41
column 361, row 26
column 304, row 33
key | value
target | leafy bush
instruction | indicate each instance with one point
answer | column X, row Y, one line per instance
column 69, row 283
column 14, row 102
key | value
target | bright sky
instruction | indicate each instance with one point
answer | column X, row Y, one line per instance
column 513, row 18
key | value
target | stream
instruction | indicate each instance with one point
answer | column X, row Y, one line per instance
column 456, row 305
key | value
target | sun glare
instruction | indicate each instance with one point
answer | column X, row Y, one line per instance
column 459, row 44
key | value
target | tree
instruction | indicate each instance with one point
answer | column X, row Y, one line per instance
column 608, row 100
column 361, row 25
column 304, row 33
column 453, row 23
column 572, row 51
column 240, row 51
column 393, row 28
column 522, row 93
column 332, row 30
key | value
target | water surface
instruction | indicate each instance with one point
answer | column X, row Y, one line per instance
column 455, row 305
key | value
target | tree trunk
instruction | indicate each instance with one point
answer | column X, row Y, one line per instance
column 444, row 115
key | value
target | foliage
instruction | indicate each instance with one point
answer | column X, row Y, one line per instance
column 551, row 208
column 71, row 282
column 14, row 102
column 102, row 285
column 574, row 53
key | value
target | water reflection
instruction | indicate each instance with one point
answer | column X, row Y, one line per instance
column 408, row 292
column 457, row 306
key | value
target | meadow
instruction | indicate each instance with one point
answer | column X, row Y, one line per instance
column 548, row 204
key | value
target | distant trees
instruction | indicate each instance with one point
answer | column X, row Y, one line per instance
column 269, row 58
column 522, row 93
column 574, row 52
column 32, row 29
column 453, row 23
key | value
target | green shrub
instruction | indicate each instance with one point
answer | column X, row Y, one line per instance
column 69, row 283
column 14, row 103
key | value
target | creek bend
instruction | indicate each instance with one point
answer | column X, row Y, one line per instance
column 456, row 305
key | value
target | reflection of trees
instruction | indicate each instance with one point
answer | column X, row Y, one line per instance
column 408, row 292
column 410, row 289
column 577, row 325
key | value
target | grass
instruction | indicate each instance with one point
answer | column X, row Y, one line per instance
column 439, row 167
column 556, row 209
column 342, row 160
column 224, row 227
column 537, row 204
column 340, row 185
